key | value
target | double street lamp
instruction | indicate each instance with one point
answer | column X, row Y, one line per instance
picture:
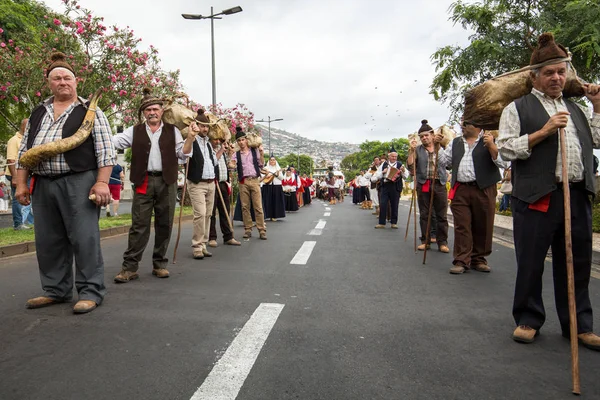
column 269, row 121
column 212, row 18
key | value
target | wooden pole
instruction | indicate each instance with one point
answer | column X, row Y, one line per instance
column 412, row 201
column 225, row 206
column 570, row 273
column 187, row 165
column 415, row 197
column 431, row 194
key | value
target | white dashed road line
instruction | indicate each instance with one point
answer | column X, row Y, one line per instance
column 302, row 256
column 321, row 224
column 229, row 373
column 327, row 214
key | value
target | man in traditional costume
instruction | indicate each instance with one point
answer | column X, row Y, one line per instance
column 249, row 162
column 390, row 175
column 475, row 162
column 157, row 148
column 429, row 182
column 529, row 137
column 66, row 221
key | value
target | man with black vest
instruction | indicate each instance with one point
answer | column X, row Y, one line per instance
column 475, row 162
column 249, row 161
column 529, row 137
column 201, row 185
column 390, row 175
column 156, row 150
column 66, row 221
column 221, row 204
column 429, row 182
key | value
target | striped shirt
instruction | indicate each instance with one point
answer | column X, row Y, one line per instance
column 208, row 154
column 51, row 130
column 514, row 147
column 222, row 162
column 466, row 168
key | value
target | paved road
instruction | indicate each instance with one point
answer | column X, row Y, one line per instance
column 361, row 319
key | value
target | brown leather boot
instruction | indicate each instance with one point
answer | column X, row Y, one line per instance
column 126, row 276
column 160, row 273
column 84, row 306
column 524, row 334
column 42, row 301
column 589, row 340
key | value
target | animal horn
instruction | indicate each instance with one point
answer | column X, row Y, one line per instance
column 35, row 155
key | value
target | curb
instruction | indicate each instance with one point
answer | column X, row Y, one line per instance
column 29, row 247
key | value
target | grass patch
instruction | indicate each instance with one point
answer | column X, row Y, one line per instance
column 9, row 236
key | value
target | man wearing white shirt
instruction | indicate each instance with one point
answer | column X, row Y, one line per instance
column 391, row 188
column 157, row 149
column 475, row 161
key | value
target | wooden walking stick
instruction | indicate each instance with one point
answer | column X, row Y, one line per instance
column 412, row 201
column 570, row 273
column 187, row 165
column 415, row 197
column 224, row 207
column 431, row 194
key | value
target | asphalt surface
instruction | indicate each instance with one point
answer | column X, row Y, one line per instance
column 362, row 319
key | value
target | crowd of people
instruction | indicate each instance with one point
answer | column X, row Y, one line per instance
column 527, row 144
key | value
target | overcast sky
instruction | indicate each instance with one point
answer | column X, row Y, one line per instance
column 334, row 70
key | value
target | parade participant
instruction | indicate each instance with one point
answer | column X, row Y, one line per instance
column 475, row 162
column 66, row 226
column 355, row 190
column 115, row 184
column 373, row 189
column 427, row 179
column 156, row 147
column 528, row 136
column 249, row 162
column 201, row 184
column 12, row 152
column 323, row 189
column 506, row 190
column 365, row 195
column 340, row 185
column 289, row 189
column 272, row 191
column 306, row 184
column 221, row 202
column 390, row 174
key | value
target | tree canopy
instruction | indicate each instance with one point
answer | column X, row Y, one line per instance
column 504, row 35
column 353, row 163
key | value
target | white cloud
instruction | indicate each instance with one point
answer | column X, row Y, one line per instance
column 315, row 64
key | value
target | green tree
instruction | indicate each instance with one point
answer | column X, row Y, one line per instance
column 353, row 163
column 504, row 34
column 306, row 163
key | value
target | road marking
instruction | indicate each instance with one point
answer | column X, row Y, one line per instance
column 327, row 214
column 327, row 208
column 316, row 232
column 321, row 224
column 229, row 373
column 303, row 254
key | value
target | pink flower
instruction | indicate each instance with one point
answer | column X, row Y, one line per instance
column 56, row 22
column 3, row 88
column 3, row 45
column 122, row 92
column 16, row 99
column 38, row 94
column 1, row 31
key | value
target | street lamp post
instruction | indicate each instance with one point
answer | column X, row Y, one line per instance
column 269, row 121
column 212, row 18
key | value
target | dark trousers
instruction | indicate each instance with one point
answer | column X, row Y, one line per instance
column 159, row 198
column 364, row 193
column 440, row 206
column 221, row 207
column 473, row 210
column 16, row 206
column 66, row 228
column 534, row 233
column 389, row 197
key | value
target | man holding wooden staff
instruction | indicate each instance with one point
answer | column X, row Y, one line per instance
column 528, row 136
column 429, row 183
